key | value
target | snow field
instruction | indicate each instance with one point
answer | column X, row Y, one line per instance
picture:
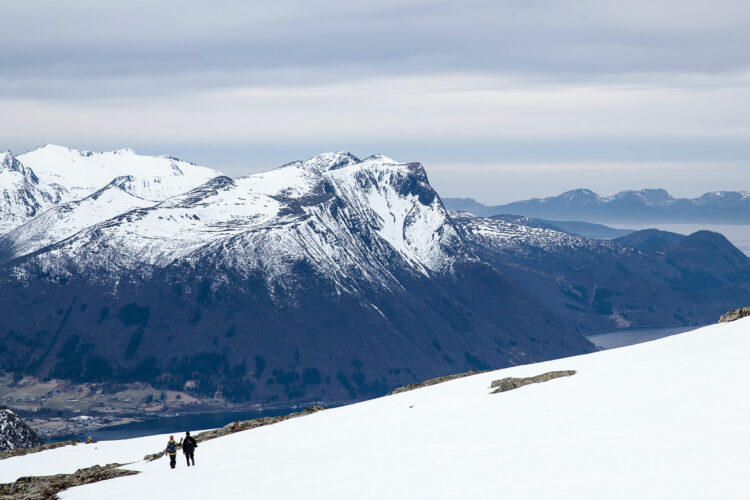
column 664, row 419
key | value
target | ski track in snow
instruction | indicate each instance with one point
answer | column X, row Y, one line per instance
column 663, row 419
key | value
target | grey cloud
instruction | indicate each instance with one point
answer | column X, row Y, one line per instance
column 99, row 48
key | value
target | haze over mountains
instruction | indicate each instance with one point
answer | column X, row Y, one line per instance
column 644, row 206
column 329, row 279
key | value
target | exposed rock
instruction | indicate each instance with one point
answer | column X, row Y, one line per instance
column 433, row 381
column 14, row 433
column 242, row 425
column 735, row 314
column 17, row 452
column 47, row 487
column 510, row 383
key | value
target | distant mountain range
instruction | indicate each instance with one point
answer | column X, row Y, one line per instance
column 329, row 279
column 646, row 278
column 644, row 206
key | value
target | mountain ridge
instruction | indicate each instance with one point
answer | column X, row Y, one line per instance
column 332, row 278
column 631, row 206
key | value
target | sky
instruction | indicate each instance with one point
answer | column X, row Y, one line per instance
column 500, row 99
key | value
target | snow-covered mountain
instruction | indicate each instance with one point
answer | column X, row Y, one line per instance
column 82, row 173
column 334, row 210
column 663, row 419
column 645, row 205
column 38, row 180
column 66, row 219
column 15, row 433
column 527, row 235
column 335, row 277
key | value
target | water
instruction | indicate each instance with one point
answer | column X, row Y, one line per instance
column 172, row 425
column 622, row 338
column 201, row 421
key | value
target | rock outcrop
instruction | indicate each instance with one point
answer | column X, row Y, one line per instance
column 510, row 383
column 17, row 452
column 14, row 433
column 433, row 381
column 734, row 314
column 47, row 487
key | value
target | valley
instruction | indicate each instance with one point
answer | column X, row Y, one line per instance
column 332, row 280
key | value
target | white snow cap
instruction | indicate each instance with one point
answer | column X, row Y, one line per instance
column 84, row 172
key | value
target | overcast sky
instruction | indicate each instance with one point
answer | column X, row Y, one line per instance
column 500, row 100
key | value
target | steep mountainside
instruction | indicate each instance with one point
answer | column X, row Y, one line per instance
column 328, row 279
column 14, row 433
column 22, row 196
column 66, row 219
column 646, row 205
column 647, row 278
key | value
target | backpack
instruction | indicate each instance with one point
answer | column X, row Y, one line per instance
column 171, row 448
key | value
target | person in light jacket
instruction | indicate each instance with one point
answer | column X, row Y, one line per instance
column 172, row 451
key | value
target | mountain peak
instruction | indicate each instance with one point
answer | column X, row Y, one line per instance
column 579, row 195
column 380, row 158
column 330, row 161
column 648, row 197
column 9, row 162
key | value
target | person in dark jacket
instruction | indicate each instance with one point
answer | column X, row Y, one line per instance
column 172, row 451
column 188, row 448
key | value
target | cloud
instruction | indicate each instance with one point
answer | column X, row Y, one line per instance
column 248, row 85
column 93, row 48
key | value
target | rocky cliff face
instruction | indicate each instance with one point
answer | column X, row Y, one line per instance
column 14, row 433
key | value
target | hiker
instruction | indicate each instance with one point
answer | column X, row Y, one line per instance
column 188, row 447
column 172, row 451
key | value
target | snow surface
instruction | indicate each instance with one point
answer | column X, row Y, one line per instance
column 66, row 219
column 333, row 210
column 82, row 173
column 663, row 419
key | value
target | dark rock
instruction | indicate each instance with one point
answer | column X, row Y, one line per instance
column 15, row 433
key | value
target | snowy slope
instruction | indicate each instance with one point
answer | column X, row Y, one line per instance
column 664, row 419
column 66, row 219
column 82, row 173
column 503, row 235
column 333, row 210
